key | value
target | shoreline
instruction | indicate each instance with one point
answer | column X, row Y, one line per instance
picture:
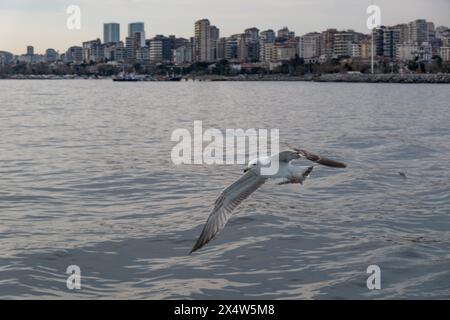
column 336, row 77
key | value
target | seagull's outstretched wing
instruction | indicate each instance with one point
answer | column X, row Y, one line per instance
column 228, row 200
column 301, row 153
column 320, row 160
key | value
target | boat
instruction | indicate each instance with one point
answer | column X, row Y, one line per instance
column 175, row 78
column 125, row 77
column 172, row 77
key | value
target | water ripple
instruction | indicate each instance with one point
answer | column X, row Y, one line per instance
column 87, row 180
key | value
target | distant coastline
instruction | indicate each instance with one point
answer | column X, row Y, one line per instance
column 332, row 77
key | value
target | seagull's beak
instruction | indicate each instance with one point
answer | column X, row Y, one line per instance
column 246, row 170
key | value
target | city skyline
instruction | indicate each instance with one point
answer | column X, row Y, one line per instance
column 417, row 40
column 19, row 17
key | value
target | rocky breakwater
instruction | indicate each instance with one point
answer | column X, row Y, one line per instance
column 384, row 78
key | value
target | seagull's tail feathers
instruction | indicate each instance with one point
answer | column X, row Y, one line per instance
column 298, row 179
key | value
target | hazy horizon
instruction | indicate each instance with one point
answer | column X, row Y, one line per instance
column 43, row 24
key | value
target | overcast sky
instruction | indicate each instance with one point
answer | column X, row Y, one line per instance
column 43, row 23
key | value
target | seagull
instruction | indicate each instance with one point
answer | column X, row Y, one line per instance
column 252, row 179
column 402, row 174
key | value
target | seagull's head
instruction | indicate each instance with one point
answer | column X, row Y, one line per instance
column 251, row 165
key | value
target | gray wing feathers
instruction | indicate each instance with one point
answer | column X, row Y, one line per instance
column 288, row 156
column 229, row 200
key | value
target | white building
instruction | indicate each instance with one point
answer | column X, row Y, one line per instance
column 182, row 54
column 343, row 42
column 93, row 51
column 202, row 43
column 242, row 48
column 270, row 52
column 355, row 49
column 130, row 48
column 156, row 51
column 418, row 31
column 407, row 52
column 113, row 51
column 445, row 53
column 286, row 53
column 310, row 45
column 266, row 37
